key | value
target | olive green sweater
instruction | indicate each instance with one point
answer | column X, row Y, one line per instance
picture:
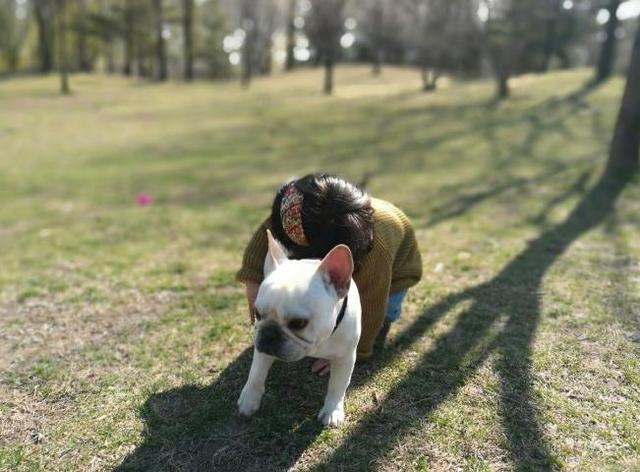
column 393, row 264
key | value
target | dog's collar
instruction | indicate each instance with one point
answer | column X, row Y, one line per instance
column 341, row 314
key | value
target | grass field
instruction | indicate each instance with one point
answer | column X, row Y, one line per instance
column 124, row 340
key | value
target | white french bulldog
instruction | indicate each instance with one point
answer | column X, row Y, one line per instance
column 305, row 308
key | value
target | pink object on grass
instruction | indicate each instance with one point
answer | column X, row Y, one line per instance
column 144, row 199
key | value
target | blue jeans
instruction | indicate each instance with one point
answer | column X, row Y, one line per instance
column 394, row 305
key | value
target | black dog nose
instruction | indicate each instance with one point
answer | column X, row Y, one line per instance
column 269, row 338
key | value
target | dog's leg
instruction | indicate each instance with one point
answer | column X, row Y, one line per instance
column 332, row 413
column 251, row 394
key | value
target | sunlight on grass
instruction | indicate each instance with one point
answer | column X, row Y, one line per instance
column 123, row 335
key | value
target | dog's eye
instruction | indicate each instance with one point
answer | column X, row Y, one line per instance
column 297, row 324
column 257, row 315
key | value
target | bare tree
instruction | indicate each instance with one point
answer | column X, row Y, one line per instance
column 560, row 28
column 608, row 50
column 499, row 47
column 444, row 34
column 266, row 16
column 502, row 68
column 377, row 36
column 324, row 27
column 212, row 29
column 44, row 13
column 510, row 24
column 187, row 29
column 81, row 29
column 258, row 21
column 128, row 20
column 387, row 30
column 291, row 35
column 625, row 147
column 553, row 9
column 62, row 47
column 13, row 32
column 107, row 28
column 248, row 18
column 161, row 48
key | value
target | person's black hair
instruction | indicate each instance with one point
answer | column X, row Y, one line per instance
column 334, row 211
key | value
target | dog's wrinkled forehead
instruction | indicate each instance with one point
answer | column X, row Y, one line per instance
column 294, row 285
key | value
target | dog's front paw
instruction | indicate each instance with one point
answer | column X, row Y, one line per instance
column 249, row 401
column 331, row 416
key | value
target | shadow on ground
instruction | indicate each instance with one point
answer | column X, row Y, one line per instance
column 195, row 428
column 547, row 117
column 502, row 319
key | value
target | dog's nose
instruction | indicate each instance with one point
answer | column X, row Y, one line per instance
column 268, row 338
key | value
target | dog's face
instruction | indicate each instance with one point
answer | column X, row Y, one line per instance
column 298, row 302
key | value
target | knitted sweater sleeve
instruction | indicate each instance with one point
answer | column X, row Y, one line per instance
column 407, row 265
column 252, row 269
column 373, row 281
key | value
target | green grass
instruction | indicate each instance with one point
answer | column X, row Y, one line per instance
column 124, row 338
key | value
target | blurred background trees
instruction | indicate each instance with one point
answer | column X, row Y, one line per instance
column 324, row 27
column 445, row 35
column 13, row 29
column 187, row 39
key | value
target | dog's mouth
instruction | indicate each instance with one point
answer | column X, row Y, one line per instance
column 287, row 352
column 297, row 338
column 279, row 342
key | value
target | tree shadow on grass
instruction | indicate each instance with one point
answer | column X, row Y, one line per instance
column 464, row 202
column 543, row 118
column 195, row 428
column 501, row 319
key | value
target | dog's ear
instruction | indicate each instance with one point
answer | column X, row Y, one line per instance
column 275, row 255
column 337, row 268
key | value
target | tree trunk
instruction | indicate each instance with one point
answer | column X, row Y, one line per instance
column 565, row 60
column 248, row 53
column 502, row 90
column 247, row 61
column 106, row 46
column 161, row 51
column 376, row 69
column 247, row 65
column 42, row 10
column 142, row 68
column 429, row 79
column 501, row 60
column 328, row 73
column 63, row 59
column 84, row 62
column 266, row 65
column 551, row 34
column 264, row 56
column 291, row 36
column 608, row 51
column 187, row 28
column 128, row 37
column 625, row 147
column 377, row 40
column 111, row 63
column 318, row 58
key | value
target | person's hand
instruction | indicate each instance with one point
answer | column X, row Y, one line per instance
column 321, row 367
column 251, row 289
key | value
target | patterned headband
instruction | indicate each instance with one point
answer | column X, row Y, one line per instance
column 291, row 214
